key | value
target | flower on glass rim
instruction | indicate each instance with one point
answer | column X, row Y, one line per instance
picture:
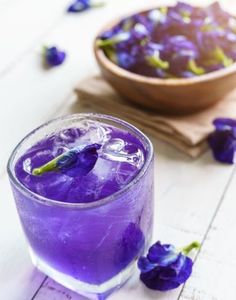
column 165, row 267
column 75, row 162
column 82, row 5
column 223, row 140
column 53, row 56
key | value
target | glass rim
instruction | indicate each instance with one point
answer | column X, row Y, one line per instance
column 48, row 201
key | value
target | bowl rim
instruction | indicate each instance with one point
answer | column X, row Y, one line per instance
column 115, row 69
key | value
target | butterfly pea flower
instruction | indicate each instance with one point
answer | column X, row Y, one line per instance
column 218, row 13
column 132, row 241
column 155, row 61
column 77, row 161
column 114, row 39
column 53, row 56
column 174, row 44
column 184, row 9
column 194, row 68
column 193, row 40
column 223, row 140
column 187, row 74
column 156, row 16
column 181, row 54
column 220, row 56
column 82, row 5
column 165, row 267
column 232, row 24
column 125, row 60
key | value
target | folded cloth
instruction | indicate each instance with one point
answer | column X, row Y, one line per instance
column 188, row 133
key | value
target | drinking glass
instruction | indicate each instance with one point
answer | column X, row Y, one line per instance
column 91, row 248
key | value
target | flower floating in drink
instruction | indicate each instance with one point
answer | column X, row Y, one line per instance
column 83, row 187
column 178, row 41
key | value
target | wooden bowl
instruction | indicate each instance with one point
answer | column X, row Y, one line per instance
column 169, row 96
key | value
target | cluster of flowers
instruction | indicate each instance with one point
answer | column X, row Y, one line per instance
column 177, row 41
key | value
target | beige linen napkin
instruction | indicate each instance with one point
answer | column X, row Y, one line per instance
column 187, row 133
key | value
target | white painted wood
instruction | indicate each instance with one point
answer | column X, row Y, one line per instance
column 188, row 192
column 29, row 95
column 22, row 24
column 215, row 271
column 184, row 210
column 18, row 278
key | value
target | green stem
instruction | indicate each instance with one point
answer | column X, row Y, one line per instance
column 49, row 166
column 220, row 56
column 164, row 10
column 97, row 4
column 120, row 37
column 110, row 53
column 187, row 249
column 156, row 62
column 104, row 43
column 193, row 67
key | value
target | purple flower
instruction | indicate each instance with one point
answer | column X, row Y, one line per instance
column 180, row 52
column 125, row 60
column 184, row 8
column 75, row 162
column 179, row 43
column 53, row 56
column 173, row 41
column 131, row 245
column 165, row 268
column 223, row 140
column 82, row 5
column 218, row 14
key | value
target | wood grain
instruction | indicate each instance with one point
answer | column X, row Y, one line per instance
column 187, row 193
column 186, row 200
column 215, row 271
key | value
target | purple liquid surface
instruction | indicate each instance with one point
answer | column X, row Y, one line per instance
column 120, row 159
column 90, row 245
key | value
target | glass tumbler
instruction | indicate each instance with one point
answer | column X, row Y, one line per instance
column 91, row 248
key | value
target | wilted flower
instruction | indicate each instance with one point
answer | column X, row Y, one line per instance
column 223, row 140
column 53, row 56
column 165, row 267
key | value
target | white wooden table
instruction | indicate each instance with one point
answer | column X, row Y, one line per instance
column 195, row 200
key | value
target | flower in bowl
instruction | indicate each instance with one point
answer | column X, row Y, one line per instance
column 175, row 59
column 173, row 42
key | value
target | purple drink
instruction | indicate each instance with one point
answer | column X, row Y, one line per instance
column 85, row 229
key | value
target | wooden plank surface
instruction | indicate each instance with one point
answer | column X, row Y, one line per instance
column 189, row 194
column 33, row 91
column 215, row 271
column 186, row 200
